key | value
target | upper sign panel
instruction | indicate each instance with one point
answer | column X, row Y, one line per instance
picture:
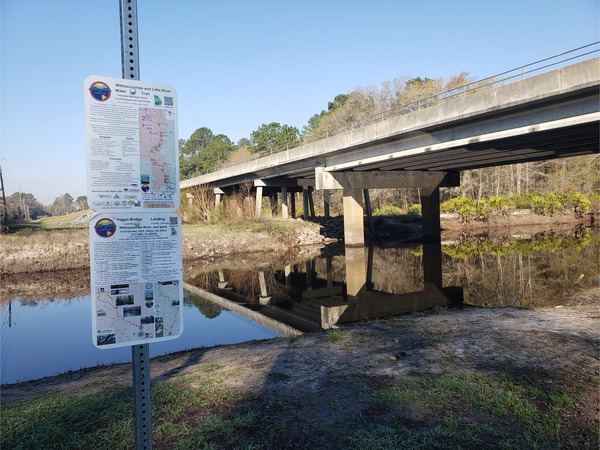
column 132, row 145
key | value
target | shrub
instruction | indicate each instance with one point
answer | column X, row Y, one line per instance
column 466, row 208
column 577, row 200
column 389, row 210
column 415, row 209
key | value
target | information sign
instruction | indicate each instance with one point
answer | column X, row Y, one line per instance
column 137, row 278
column 132, row 145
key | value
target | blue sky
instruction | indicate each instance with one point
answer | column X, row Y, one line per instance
column 239, row 64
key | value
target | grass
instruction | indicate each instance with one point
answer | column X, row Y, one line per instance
column 105, row 420
column 457, row 411
column 523, row 407
column 49, row 223
column 334, row 335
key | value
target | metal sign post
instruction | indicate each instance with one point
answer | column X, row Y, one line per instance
column 140, row 354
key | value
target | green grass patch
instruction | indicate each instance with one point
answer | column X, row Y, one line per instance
column 460, row 435
column 105, row 419
column 527, row 408
column 333, row 336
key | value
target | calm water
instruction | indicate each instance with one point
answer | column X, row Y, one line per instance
column 42, row 338
column 53, row 336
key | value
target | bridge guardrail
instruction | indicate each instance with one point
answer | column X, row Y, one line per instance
column 508, row 76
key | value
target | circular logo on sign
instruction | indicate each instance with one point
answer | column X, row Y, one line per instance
column 100, row 91
column 145, row 187
column 105, row 228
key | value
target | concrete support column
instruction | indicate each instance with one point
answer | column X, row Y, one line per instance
column 288, row 278
column 273, row 203
column 259, row 191
column 293, row 204
column 354, row 231
column 326, row 201
column 284, row 203
column 369, row 212
column 432, row 239
column 311, row 202
column 222, row 283
column 264, row 298
column 305, row 194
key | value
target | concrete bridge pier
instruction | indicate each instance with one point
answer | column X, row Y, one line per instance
column 326, row 202
column 356, row 184
column 259, row 190
column 218, row 194
column 284, row 203
column 264, row 298
column 354, row 230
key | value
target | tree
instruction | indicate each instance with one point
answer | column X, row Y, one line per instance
column 62, row 205
column 21, row 205
column 313, row 122
column 202, row 152
column 82, row 202
column 244, row 142
column 274, row 137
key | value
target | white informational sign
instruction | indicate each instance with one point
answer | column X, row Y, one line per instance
column 132, row 145
column 137, row 278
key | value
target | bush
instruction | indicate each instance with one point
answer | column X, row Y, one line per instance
column 466, row 208
column 415, row 209
column 577, row 200
column 389, row 210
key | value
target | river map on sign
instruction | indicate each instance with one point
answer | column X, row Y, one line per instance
column 157, row 159
column 132, row 312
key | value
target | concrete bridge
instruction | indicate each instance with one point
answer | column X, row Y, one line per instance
column 552, row 115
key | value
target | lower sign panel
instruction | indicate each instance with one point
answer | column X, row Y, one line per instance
column 137, row 279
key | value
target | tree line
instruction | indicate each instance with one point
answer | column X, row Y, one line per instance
column 22, row 206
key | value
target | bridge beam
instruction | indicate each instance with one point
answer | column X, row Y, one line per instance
column 384, row 179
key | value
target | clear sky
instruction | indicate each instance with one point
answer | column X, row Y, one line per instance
column 239, row 64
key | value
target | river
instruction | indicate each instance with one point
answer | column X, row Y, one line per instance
column 48, row 334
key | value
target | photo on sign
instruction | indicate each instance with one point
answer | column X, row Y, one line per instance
column 106, row 339
column 132, row 311
column 125, row 300
column 147, row 319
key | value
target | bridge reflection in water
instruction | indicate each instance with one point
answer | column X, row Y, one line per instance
column 310, row 297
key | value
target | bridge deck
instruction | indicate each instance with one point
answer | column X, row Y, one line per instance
column 552, row 115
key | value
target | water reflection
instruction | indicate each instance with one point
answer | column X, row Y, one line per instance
column 51, row 336
column 352, row 284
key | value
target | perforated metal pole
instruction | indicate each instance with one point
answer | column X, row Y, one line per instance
column 140, row 359
column 140, row 354
column 129, row 40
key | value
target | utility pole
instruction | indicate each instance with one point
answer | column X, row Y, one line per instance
column 5, row 224
column 21, row 209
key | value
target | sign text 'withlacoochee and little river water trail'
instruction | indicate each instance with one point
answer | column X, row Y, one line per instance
column 135, row 240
